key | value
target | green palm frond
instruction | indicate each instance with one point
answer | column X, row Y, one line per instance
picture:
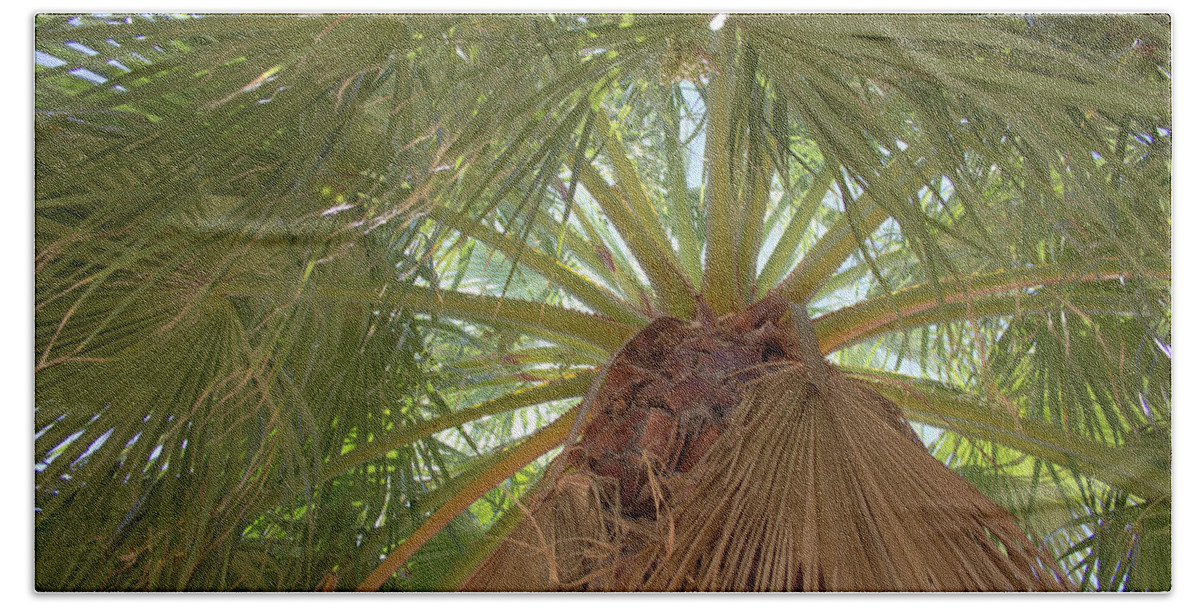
column 320, row 289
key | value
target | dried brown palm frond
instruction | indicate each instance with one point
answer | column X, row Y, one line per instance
column 815, row 488
column 569, row 538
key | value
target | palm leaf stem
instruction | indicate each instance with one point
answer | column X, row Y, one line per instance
column 661, row 267
column 926, row 303
column 593, row 296
column 786, row 248
column 862, row 217
column 565, row 388
column 1127, row 468
column 514, row 459
column 720, row 233
column 588, row 330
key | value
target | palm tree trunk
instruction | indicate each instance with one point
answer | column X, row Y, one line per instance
column 726, row 454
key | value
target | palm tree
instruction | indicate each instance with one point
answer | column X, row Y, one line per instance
column 850, row 301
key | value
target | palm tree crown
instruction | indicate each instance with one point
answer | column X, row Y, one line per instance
column 317, row 296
